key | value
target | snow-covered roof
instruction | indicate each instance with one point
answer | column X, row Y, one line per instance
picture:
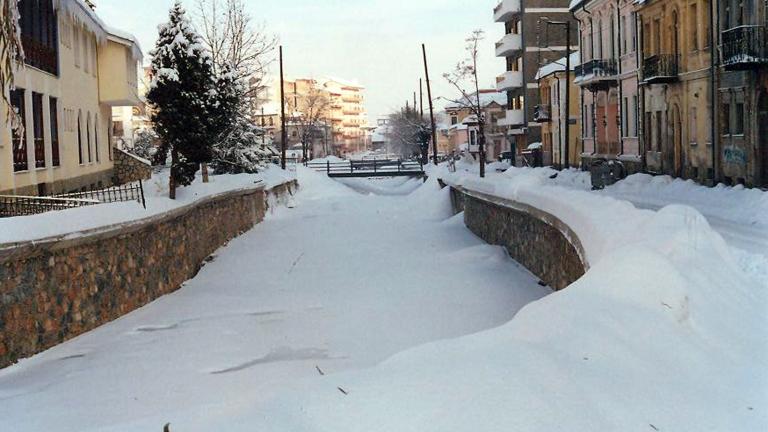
column 345, row 83
column 558, row 65
column 487, row 97
column 83, row 15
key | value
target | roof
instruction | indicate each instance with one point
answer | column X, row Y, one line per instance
column 558, row 65
column 487, row 97
column 82, row 14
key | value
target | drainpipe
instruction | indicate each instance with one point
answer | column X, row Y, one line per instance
column 714, row 29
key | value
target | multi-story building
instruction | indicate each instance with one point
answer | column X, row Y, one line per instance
column 493, row 104
column 344, row 112
column 76, row 70
column 675, row 79
column 607, row 77
column 552, row 114
column 742, row 92
column 528, row 42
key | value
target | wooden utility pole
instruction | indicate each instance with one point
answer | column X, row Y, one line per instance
column 431, row 109
column 421, row 97
column 283, row 132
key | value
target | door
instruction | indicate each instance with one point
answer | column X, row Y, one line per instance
column 677, row 140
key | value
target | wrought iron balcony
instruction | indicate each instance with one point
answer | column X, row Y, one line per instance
column 541, row 113
column 597, row 74
column 40, row 56
column 661, row 68
column 744, row 47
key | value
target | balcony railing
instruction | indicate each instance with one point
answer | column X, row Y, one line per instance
column 40, row 56
column 505, row 10
column 597, row 73
column 744, row 47
column 661, row 68
column 542, row 113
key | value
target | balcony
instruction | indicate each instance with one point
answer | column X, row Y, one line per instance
column 514, row 117
column 505, row 10
column 509, row 80
column 40, row 56
column 542, row 113
column 661, row 69
column 509, row 44
column 744, row 47
column 598, row 74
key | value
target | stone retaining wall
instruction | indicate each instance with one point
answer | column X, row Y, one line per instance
column 55, row 289
column 538, row 240
column 129, row 168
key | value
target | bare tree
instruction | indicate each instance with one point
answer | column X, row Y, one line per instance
column 308, row 114
column 234, row 39
column 465, row 76
column 11, row 54
column 408, row 130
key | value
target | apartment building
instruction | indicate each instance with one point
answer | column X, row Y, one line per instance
column 551, row 113
column 528, row 42
column 608, row 82
column 742, row 92
column 344, row 113
column 76, row 70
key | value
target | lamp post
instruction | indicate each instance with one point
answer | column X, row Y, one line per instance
column 567, row 25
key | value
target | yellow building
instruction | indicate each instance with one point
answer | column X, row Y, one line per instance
column 76, row 70
column 675, row 83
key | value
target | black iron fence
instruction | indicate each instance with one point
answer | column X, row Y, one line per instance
column 17, row 205
column 364, row 168
column 597, row 68
column 744, row 44
column 661, row 66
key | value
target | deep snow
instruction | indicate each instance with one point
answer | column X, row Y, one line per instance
column 341, row 281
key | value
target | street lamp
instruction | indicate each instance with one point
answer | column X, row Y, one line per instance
column 567, row 26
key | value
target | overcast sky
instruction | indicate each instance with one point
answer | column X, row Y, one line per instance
column 373, row 42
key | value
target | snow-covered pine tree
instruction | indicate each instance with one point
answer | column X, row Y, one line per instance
column 183, row 95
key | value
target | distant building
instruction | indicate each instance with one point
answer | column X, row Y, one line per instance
column 493, row 104
column 524, row 46
column 76, row 70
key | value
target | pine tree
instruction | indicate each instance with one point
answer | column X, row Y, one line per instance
column 184, row 96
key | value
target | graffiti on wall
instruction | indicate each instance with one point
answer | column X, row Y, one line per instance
column 735, row 155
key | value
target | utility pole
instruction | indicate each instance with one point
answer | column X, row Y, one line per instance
column 567, row 25
column 421, row 98
column 431, row 109
column 283, row 132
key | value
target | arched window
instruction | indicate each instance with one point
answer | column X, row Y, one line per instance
column 675, row 34
column 88, row 138
column 80, row 137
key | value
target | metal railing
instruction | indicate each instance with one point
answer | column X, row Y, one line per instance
column 597, row 68
column 744, row 44
column 40, row 56
column 388, row 167
column 661, row 66
column 18, row 205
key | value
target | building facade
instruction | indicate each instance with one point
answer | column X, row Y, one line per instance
column 528, row 42
column 742, row 92
column 493, row 104
column 551, row 113
column 76, row 70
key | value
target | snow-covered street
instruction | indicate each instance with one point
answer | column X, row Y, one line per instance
column 341, row 281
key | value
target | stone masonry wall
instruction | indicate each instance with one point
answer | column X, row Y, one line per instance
column 129, row 168
column 539, row 241
column 53, row 290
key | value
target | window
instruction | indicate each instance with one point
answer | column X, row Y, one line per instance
column 726, row 115
column 80, row 137
column 37, row 129
column 88, row 137
column 585, row 126
column 39, row 34
column 86, row 56
column 625, row 35
column 95, row 64
column 599, row 40
column 636, row 111
column 694, row 27
column 454, row 119
column 738, row 125
column 625, row 117
column 656, row 37
column 54, row 116
column 659, row 136
column 96, row 137
column 633, row 29
column 20, row 162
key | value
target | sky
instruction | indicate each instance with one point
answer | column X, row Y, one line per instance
column 374, row 42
